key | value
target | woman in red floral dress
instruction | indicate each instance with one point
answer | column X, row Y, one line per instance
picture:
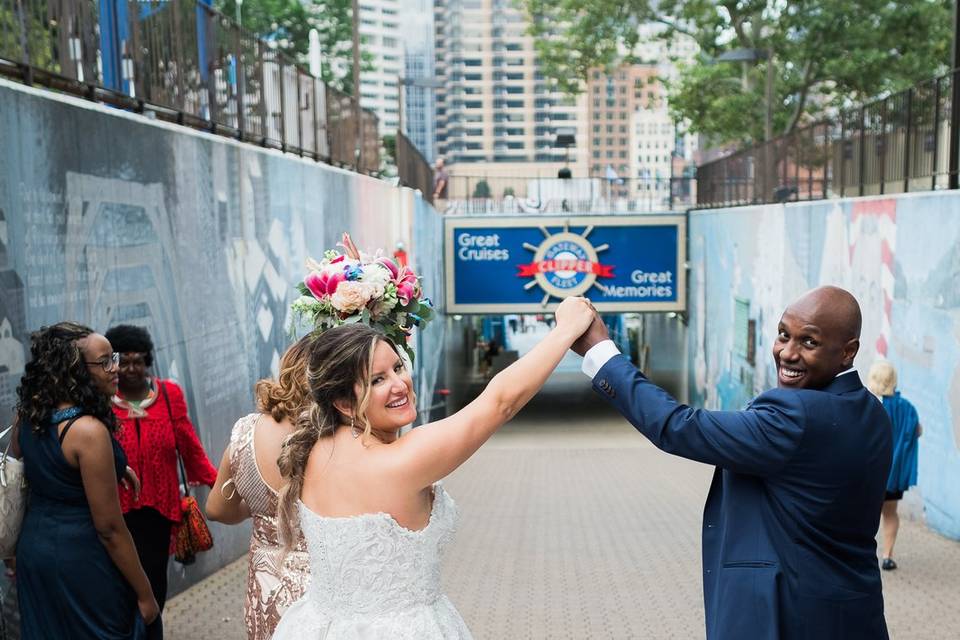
column 154, row 426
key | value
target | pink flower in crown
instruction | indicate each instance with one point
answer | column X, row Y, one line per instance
column 407, row 286
column 324, row 283
column 349, row 248
column 391, row 266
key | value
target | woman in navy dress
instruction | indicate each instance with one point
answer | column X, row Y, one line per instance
column 78, row 575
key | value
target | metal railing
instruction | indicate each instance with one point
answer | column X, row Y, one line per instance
column 413, row 168
column 184, row 62
column 896, row 144
column 476, row 195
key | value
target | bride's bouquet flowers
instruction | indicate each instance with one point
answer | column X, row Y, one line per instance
column 349, row 286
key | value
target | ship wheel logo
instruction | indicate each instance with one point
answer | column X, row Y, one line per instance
column 565, row 264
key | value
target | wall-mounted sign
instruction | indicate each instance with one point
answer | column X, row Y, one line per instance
column 529, row 264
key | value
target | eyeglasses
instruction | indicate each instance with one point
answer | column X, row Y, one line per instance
column 108, row 363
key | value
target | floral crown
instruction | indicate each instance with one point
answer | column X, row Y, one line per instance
column 349, row 287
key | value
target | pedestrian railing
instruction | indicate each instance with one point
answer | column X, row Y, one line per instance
column 182, row 61
column 896, row 144
column 478, row 195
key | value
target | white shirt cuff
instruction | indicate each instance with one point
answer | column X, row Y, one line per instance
column 597, row 356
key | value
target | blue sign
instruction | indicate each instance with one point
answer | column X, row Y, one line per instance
column 527, row 265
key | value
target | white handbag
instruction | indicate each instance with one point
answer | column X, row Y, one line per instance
column 13, row 499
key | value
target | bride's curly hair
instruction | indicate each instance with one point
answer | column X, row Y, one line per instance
column 284, row 397
column 57, row 373
column 338, row 363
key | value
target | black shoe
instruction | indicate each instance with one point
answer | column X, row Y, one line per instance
column 888, row 564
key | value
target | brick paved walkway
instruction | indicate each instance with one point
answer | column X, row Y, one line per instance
column 573, row 526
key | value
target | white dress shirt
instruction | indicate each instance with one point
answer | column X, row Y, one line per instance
column 597, row 356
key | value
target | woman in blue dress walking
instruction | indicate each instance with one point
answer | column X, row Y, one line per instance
column 78, row 574
column 882, row 381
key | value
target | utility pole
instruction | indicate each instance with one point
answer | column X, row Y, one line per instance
column 357, row 113
column 240, row 13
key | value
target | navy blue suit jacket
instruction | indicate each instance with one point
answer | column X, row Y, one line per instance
column 789, row 548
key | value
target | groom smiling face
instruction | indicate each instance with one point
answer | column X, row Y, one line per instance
column 817, row 338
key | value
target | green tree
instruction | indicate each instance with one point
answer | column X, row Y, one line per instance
column 826, row 53
column 482, row 190
column 288, row 24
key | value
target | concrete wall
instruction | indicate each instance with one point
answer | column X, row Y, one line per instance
column 108, row 217
column 900, row 256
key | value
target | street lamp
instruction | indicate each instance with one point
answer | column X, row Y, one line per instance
column 756, row 55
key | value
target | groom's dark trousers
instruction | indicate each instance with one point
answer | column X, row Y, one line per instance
column 789, row 527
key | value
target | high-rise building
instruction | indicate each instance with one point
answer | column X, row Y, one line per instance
column 496, row 107
column 419, row 103
column 613, row 99
column 662, row 150
column 379, row 88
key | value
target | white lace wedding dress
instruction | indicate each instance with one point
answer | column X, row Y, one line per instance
column 372, row 579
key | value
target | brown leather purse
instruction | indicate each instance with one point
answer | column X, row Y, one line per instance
column 193, row 535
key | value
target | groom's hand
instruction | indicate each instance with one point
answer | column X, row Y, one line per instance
column 596, row 333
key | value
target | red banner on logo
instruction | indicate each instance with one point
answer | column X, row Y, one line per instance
column 551, row 266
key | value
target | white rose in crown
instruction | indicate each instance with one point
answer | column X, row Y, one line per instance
column 352, row 296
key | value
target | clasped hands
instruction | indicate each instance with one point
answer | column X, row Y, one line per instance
column 578, row 312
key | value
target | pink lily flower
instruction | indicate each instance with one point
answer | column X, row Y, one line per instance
column 407, row 286
column 323, row 283
column 391, row 267
column 349, row 248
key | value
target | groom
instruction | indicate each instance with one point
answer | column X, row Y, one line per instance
column 789, row 524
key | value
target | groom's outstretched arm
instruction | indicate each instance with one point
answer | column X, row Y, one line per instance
column 759, row 440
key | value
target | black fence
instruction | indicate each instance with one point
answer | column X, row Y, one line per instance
column 473, row 195
column 896, row 144
column 184, row 62
column 413, row 168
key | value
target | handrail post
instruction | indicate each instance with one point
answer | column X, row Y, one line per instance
column 264, row 114
column 936, row 134
column 299, row 116
column 906, row 142
column 824, row 186
column 954, row 168
column 882, row 137
column 863, row 146
column 843, row 152
column 316, row 118
column 241, row 77
column 283, row 103
column 24, row 46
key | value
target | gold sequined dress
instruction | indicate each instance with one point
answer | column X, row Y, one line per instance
column 271, row 586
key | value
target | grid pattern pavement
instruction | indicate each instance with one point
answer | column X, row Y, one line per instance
column 574, row 526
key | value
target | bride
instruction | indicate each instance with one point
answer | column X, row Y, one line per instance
column 368, row 502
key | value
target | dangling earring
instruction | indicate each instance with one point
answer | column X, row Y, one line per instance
column 353, row 427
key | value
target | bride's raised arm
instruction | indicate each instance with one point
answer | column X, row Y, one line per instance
column 430, row 452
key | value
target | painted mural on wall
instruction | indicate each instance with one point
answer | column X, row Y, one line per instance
column 107, row 218
column 900, row 256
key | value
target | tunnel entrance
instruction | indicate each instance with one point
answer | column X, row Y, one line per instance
column 479, row 346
